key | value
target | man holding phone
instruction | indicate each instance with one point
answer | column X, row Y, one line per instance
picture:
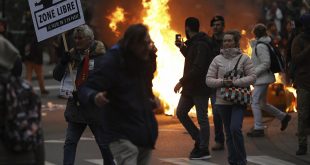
column 198, row 56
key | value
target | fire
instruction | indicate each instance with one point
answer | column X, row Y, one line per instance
column 243, row 32
column 246, row 48
column 169, row 61
column 118, row 16
column 293, row 104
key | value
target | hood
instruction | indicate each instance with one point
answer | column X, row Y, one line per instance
column 201, row 36
column 265, row 39
column 230, row 53
column 9, row 54
column 100, row 48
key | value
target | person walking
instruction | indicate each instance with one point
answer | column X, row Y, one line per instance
column 84, row 58
column 198, row 56
column 232, row 114
column 218, row 25
column 121, row 88
column 301, row 59
column 33, row 60
column 11, row 65
column 261, row 61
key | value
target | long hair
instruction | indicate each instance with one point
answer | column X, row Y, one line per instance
column 134, row 34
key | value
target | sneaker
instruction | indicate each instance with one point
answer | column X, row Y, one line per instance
column 200, row 155
column 217, row 147
column 256, row 133
column 194, row 151
column 284, row 122
column 302, row 150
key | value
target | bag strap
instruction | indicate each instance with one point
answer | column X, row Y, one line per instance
column 268, row 45
column 236, row 66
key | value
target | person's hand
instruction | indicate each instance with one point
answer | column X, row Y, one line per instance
column 177, row 87
column 101, row 99
column 227, row 83
column 179, row 44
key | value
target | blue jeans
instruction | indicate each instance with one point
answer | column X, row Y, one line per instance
column 232, row 116
column 217, row 121
column 202, row 135
column 73, row 135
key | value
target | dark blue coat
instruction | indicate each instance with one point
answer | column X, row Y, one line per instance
column 129, row 114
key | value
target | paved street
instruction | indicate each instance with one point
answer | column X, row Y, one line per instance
column 174, row 144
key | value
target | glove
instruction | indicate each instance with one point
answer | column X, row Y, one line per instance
column 65, row 59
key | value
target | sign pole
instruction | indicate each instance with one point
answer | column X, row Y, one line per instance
column 69, row 65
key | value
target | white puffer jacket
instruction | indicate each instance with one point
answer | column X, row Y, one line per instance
column 225, row 62
column 261, row 62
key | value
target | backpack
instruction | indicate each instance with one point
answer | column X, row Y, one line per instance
column 22, row 116
column 276, row 60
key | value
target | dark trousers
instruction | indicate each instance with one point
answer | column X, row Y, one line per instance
column 303, row 107
column 74, row 133
column 232, row 116
column 217, row 121
column 201, row 135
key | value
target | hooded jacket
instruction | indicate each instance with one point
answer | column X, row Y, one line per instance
column 198, row 56
column 261, row 62
column 224, row 63
column 129, row 113
column 72, row 113
column 10, row 63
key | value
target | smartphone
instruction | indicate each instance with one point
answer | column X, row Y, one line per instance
column 178, row 38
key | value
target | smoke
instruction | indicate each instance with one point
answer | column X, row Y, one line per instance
column 239, row 14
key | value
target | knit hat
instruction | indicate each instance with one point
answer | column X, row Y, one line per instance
column 217, row 18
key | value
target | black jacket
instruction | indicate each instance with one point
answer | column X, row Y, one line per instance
column 83, row 113
column 198, row 56
column 129, row 114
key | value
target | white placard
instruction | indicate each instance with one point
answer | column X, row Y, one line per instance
column 52, row 17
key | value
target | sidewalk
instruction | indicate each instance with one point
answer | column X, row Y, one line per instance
column 287, row 140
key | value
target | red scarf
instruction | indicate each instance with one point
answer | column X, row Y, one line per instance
column 84, row 74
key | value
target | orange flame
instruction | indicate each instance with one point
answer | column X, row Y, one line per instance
column 169, row 61
column 118, row 16
column 247, row 49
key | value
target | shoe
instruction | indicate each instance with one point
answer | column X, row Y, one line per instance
column 284, row 122
column 196, row 147
column 256, row 133
column 200, row 155
column 45, row 92
column 218, row 147
column 302, row 150
column 194, row 151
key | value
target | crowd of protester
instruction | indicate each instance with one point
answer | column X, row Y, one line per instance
column 112, row 89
